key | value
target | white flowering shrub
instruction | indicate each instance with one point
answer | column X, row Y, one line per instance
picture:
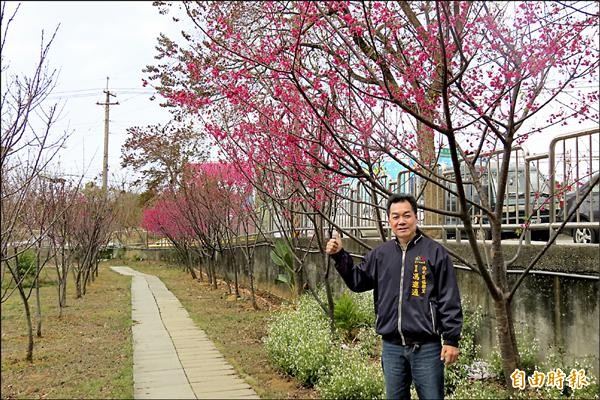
column 468, row 363
column 351, row 376
column 299, row 341
column 368, row 343
column 366, row 309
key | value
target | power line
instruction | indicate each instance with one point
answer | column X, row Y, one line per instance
column 98, row 90
column 77, row 95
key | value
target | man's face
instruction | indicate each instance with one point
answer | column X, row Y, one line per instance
column 403, row 221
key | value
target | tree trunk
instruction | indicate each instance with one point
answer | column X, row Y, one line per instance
column 228, row 282
column 227, row 268
column 506, row 339
column 39, row 308
column 377, row 216
column 62, row 290
column 37, row 297
column 62, row 273
column 62, row 297
column 14, row 271
column 235, row 276
column 190, row 264
column 213, row 262
column 330, row 302
column 298, row 271
column 85, row 271
column 96, row 268
column 78, row 282
column 208, row 269
column 432, row 194
column 63, row 294
column 299, row 280
column 86, row 274
column 200, row 271
column 29, row 356
column 92, row 265
column 250, row 262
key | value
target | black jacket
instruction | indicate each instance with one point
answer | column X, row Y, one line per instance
column 430, row 301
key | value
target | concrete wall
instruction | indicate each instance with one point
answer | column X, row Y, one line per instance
column 558, row 310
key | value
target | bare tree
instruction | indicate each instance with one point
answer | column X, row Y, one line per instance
column 28, row 145
column 94, row 215
column 59, row 198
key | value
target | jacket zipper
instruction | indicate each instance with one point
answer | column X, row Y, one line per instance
column 432, row 317
column 400, row 297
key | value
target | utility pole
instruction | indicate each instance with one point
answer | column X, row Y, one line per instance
column 106, row 105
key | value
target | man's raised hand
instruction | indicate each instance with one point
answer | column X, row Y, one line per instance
column 334, row 245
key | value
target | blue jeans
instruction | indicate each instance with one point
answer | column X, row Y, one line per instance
column 404, row 364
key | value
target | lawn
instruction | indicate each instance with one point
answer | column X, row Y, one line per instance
column 88, row 352
column 85, row 354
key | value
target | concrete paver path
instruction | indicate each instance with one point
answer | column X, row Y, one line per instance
column 172, row 358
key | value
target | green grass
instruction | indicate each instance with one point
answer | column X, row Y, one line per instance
column 85, row 354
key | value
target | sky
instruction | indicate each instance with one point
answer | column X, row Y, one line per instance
column 95, row 40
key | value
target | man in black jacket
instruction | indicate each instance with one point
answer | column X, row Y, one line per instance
column 417, row 302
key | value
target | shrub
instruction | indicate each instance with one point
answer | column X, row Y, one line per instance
column 456, row 375
column 353, row 311
column 299, row 341
column 552, row 362
column 478, row 390
column 345, row 314
column 26, row 267
column 119, row 253
column 351, row 377
column 104, row 254
column 368, row 343
column 283, row 256
column 26, row 263
column 366, row 310
column 528, row 347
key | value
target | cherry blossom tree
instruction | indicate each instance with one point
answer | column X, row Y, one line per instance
column 202, row 213
column 223, row 193
column 339, row 87
column 166, row 218
column 293, row 191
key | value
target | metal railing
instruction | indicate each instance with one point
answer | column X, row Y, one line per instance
column 535, row 192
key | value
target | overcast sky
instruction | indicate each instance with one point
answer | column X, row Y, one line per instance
column 95, row 40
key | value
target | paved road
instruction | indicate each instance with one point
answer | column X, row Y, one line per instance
column 172, row 358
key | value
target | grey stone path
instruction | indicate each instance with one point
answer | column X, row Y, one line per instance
column 172, row 358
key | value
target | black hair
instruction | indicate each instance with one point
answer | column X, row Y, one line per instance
column 401, row 197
